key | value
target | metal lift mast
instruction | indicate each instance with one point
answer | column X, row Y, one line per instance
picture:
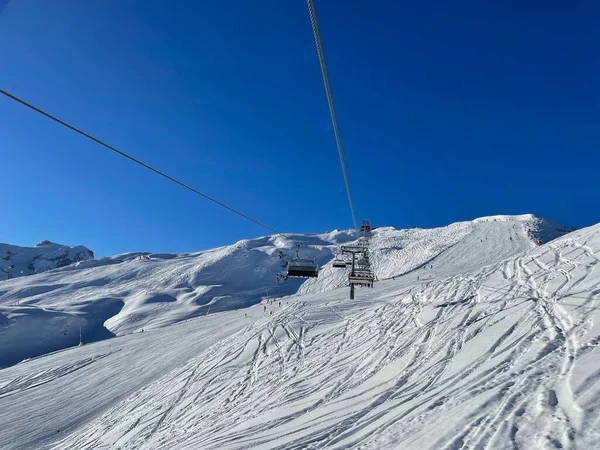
column 366, row 276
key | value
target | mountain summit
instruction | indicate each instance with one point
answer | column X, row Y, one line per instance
column 18, row 261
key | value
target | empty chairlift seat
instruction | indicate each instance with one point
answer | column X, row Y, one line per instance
column 362, row 277
column 303, row 268
column 339, row 263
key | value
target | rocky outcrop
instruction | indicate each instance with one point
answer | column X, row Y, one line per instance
column 18, row 261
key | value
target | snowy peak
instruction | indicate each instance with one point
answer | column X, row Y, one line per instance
column 507, row 218
column 18, row 261
column 539, row 229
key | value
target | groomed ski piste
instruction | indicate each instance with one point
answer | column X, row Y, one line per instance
column 474, row 336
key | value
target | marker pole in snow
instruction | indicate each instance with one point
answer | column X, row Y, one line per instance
column 80, row 339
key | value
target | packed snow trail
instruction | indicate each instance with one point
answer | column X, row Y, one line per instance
column 500, row 357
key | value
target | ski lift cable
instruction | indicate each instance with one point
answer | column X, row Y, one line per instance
column 313, row 21
column 135, row 160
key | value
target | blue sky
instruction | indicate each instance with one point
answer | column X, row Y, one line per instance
column 447, row 111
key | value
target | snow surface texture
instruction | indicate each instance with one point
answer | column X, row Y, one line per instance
column 130, row 292
column 18, row 261
column 446, row 356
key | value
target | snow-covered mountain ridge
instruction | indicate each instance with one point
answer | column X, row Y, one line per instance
column 464, row 350
column 18, row 261
column 125, row 293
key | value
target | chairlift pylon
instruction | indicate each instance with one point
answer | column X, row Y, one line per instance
column 361, row 273
column 365, row 227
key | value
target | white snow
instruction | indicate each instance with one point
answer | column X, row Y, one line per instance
column 18, row 261
column 482, row 340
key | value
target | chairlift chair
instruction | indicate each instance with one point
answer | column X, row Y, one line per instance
column 362, row 277
column 301, row 267
column 339, row 263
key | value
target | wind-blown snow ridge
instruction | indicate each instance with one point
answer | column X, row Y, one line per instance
column 498, row 356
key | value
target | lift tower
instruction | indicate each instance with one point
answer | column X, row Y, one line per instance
column 361, row 273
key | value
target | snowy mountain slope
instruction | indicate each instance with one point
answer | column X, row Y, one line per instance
column 141, row 290
column 502, row 357
column 463, row 245
column 18, row 261
column 130, row 292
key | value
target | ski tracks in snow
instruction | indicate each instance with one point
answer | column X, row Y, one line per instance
column 487, row 359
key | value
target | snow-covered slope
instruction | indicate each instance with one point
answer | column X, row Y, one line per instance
column 18, row 261
column 130, row 292
column 462, row 245
column 503, row 356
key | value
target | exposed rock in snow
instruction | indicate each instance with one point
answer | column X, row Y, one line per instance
column 18, row 261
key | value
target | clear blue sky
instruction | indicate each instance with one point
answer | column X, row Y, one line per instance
column 447, row 111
